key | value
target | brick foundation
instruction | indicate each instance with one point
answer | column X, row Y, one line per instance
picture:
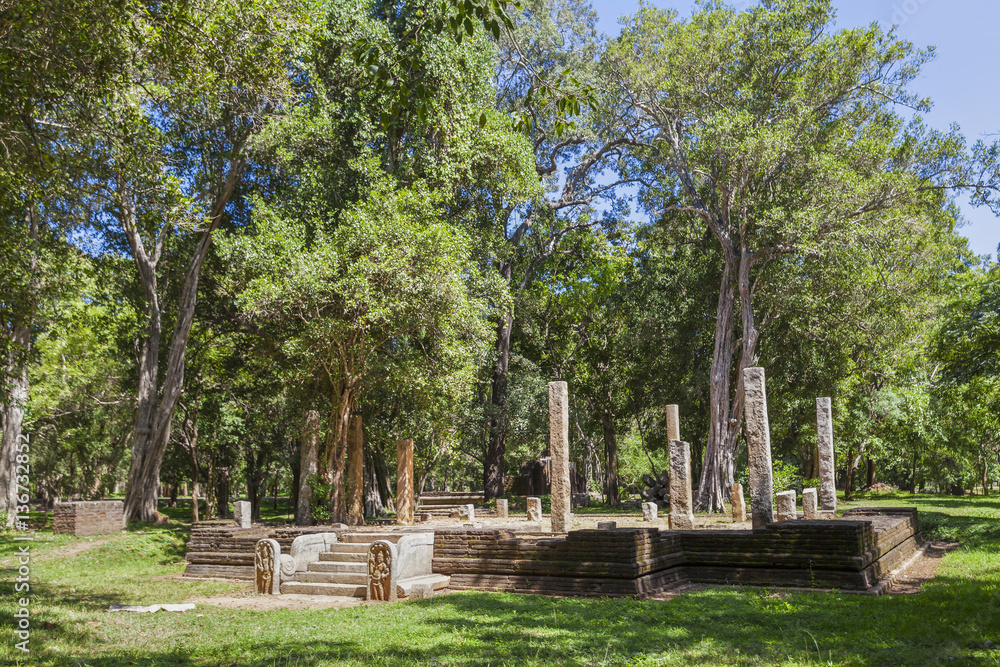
column 94, row 517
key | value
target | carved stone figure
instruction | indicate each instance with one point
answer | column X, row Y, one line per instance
column 267, row 559
column 381, row 575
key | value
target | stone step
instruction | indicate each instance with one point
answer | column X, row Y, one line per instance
column 367, row 538
column 331, row 566
column 341, row 557
column 314, row 588
column 435, row 582
column 356, row 578
column 345, row 548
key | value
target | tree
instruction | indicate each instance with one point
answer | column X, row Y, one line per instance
column 780, row 137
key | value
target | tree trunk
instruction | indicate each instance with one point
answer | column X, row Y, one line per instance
column 334, row 457
column 611, row 490
column 20, row 384
column 494, row 464
column 156, row 408
column 871, row 473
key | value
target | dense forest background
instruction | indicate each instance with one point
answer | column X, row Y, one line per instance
column 229, row 225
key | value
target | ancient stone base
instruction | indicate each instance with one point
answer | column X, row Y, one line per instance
column 93, row 517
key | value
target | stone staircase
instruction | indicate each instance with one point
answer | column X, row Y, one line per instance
column 343, row 570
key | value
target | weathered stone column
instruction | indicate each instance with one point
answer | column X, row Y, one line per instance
column 759, row 447
column 827, row 462
column 681, row 507
column 739, row 505
column 404, row 482
column 355, row 473
column 308, row 453
column 673, row 423
column 559, row 451
column 534, row 508
column 241, row 513
column 786, row 506
column 809, row 509
column 501, row 508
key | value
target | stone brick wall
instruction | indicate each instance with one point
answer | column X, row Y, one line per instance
column 855, row 553
column 94, row 517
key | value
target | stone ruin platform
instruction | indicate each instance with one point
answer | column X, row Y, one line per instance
column 855, row 553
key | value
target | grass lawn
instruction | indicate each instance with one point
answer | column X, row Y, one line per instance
column 73, row 580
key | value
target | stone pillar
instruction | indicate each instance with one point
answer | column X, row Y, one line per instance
column 534, row 509
column 681, row 507
column 673, row 423
column 809, row 509
column 759, row 446
column 404, row 482
column 267, row 567
column 562, row 502
column 308, row 453
column 355, row 473
column 827, row 471
column 649, row 511
column 467, row 512
column 501, row 508
column 786, row 506
column 241, row 513
column 739, row 505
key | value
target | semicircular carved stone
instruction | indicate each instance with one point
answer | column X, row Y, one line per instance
column 267, row 567
column 382, row 571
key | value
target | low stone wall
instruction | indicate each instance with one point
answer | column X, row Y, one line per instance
column 854, row 553
column 220, row 549
column 92, row 517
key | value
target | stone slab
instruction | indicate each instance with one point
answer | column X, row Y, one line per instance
column 241, row 513
column 810, row 510
column 649, row 511
column 759, row 448
column 562, row 505
column 534, row 509
column 827, row 459
column 786, row 506
column 681, row 505
column 501, row 508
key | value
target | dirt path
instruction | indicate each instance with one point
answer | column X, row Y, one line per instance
column 922, row 569
column 271, row 602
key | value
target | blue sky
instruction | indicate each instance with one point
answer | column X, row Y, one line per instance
column 963, row 80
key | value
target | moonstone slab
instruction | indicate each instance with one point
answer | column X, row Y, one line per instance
column 308, row 453
column 681, row 507
column 759, row 447
column 355, row 473
column 809, row 508
column 534, row 509
column 404, row 482
column 241, row 513
column 786, row 506
column 562, row 502
column 649, row 511
column 739, row 504
column 607, row 525
column 501, row 508
column 827, row 470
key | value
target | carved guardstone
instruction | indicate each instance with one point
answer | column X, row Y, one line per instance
column 739, row 504
column 827, row 472
column 534, row 509
column 266, row 564
column 562, row 503
column 759, row 448
column 382, row 572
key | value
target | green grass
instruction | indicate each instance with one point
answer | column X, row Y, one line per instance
column 948, row 623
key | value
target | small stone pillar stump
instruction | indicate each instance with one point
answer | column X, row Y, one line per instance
column 739, row 504
column 467, row 512
column 241, row 513
column 382, row 572
column 810, row 510
column 827, row 471
column 308, row 453
column 267, row 567
column 404, row 482
column 562, row 502
column 759, row 446
column 534, row 509
column 355, row 473
column 649, row 511
column 681, row 506
column 786, row 506
column 501, row 508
